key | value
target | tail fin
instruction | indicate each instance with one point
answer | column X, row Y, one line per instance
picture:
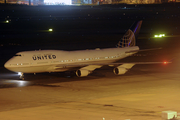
column 129, row 38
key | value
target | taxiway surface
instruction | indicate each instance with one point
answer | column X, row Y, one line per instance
column 142, row 93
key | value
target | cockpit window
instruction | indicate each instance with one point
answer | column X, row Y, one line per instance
column 18, row 55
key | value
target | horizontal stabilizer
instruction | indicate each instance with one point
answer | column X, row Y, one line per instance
column 142, row 50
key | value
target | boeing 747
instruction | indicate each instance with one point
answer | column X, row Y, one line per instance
column 83, row 62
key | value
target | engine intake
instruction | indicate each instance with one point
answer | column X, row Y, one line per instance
column 119, row 70
column 82, row 73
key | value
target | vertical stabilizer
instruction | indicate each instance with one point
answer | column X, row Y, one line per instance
column 129, row 38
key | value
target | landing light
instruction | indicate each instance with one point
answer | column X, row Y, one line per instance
column 20, row 73
column 165, row 62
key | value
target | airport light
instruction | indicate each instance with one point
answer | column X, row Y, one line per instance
column 156, row 35
column 159, row 36
column 162, row 35
column 7, row 21
column 50, row 30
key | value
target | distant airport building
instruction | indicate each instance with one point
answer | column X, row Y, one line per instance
column 106, row 1
column 136, row 1
column 57, row 2
column 172, row 0
column 94, row 2
column 86, row 2
column 16, row 1
column 39, row 2
column 1, row 1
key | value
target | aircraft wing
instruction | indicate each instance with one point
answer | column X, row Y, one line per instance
column 92, row 67
column 98, row 65
column 86, row 68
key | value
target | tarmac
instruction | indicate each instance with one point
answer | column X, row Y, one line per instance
column 143, row 93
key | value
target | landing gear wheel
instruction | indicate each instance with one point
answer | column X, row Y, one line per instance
column 21, row 76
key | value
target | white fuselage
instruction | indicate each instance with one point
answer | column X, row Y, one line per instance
column 58, row 60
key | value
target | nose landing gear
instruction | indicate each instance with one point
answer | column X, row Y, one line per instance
column 21, row 75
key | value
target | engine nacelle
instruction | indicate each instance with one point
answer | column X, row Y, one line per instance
column 82, row 72
column 119, row 70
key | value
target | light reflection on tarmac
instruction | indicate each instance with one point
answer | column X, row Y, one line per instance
column 142, row 93
column 14, row 83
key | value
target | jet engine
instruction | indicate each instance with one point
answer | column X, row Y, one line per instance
column 82, row 72
column 119, row 70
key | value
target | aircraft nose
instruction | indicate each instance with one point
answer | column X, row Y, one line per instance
column 7, row 65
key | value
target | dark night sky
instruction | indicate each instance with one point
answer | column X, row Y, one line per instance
column 82, row 27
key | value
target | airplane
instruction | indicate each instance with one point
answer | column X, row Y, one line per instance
column 83, row 62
